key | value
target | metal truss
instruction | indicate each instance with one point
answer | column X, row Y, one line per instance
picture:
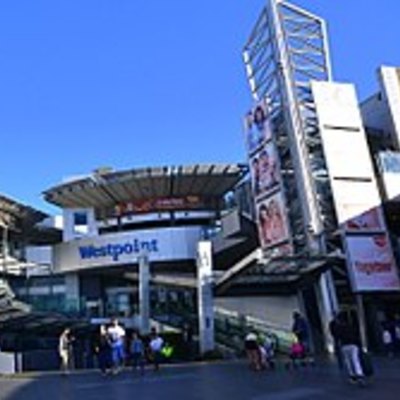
column 286, row 50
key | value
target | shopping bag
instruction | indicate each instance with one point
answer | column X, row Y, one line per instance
column 366, row 363
column 167, row 351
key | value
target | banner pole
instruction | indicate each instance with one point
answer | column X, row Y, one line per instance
column 361, row 321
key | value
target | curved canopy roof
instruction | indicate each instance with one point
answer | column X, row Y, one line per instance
column 105, row 188
column 17, row 216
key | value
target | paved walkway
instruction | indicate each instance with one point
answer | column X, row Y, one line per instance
column 232, row 381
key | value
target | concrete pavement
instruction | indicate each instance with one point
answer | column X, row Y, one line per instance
column 232, row 381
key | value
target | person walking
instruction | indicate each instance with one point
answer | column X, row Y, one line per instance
column 116, row 337
column 333, row 325
column 387, row 340
column 187, row 340
column 137, row 352
column 103, row 350
column 346, row 335
column 253, row 351
column 301, row 330
column 156, row 344
column 65, row 350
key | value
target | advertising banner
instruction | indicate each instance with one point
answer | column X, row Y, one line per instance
column 257, row 127
column 264, row 170
column 161, row 204
column 364, row 221
column 371, row 263
column 342, row 132
column 164, row 244
column 272, row 224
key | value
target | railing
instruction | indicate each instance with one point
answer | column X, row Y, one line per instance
column 57, row 304
column 232, row 327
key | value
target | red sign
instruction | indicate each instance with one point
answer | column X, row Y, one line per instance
column 159, row 204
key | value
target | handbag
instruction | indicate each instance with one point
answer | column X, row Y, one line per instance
column 366, row 363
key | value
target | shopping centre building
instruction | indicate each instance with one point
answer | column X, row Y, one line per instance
column 309, row 222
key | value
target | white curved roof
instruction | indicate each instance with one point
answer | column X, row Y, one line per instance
column 107, row 188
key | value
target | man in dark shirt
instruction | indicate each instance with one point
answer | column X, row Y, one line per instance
column 346, row 335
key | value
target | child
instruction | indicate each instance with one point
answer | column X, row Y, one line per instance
column 253, row 351
column 269, row 351
column 297, row 353
column 137, row 352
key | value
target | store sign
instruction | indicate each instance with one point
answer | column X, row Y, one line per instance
column 115, row 251
column 163, row 245
column 371, row 262
column 160, row 204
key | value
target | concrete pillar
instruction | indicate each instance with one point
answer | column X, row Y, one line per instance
column 328, row 305
column 205, row 296
column 361, row 321
column 144, row 294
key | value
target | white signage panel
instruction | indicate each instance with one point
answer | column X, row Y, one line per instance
column 346, row 153
column 125, row 247
column 371, row 263
column 336, row 104
column 205, row 298
column 358, row 206
column 343, row 136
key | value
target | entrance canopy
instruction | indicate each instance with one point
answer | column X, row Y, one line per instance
column 107, row 188
column 275, row 273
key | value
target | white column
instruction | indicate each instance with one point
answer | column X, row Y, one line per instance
column 205, row 296
column 144, row 294
column 327, row 304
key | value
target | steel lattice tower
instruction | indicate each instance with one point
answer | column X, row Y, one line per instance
column 286, row 50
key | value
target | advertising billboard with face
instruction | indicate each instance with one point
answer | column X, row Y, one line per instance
column 257, row 127
column 264, row 170
column 272, row 224
column 371, row 263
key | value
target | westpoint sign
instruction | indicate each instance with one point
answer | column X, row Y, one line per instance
column 124, row 248
column 115, row 251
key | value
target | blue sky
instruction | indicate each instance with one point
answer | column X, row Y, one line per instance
column 133, row 83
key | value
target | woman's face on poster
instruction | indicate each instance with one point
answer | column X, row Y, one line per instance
column 259, row 115
column 265, row 160
column 256, row 167
column 264, row 213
